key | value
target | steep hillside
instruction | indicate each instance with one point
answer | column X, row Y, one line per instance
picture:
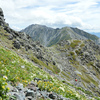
column 22, row 60
column 79, row 59
column 49, row 36
column 16, row 70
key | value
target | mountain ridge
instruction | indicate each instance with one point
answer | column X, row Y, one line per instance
column 96, row 33
column 48, row 36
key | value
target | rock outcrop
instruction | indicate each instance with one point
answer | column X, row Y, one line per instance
column 2, row 20
column 32, row 92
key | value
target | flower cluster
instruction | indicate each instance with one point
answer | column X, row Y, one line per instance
column 3, row 88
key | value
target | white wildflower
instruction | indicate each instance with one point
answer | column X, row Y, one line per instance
column 61, row 84
column 13, row 61
column 2, row 64
column 26, row 60
column 77, row 95
column 2, row 70
column 23, row 66
column 62, row 88
column 34, row 74
column 5, row 77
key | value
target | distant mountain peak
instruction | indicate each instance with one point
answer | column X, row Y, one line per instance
column 49, row 36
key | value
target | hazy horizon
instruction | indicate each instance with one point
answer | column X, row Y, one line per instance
column 84, row 15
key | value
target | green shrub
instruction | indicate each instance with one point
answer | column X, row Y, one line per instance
column 51, row 67
column 82, row 45
column 71, row 53
column 65, row 75
column 75, row 43
column 74, row 57
column 77, row 52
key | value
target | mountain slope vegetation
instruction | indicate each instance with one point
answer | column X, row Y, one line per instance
column 11, row 67
column 22, row 59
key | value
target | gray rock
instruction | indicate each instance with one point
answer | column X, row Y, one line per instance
column 22, row 43
column 11, row 87
column 28, row 47
column 52, row 96
column 31, row 87
column 37, row 79
column 38, row 93
column 86, row 54
column 92, row 85
column 2, row 20
column 20, row 86
column 29, row 98
column 98, row 64
column 1, row 13
column 33, row 83
column 77, row 72
column 44, row 94
column 16, row 44
column 30, row 93
column 10, row 37
column 62, row 98
column 17, row 95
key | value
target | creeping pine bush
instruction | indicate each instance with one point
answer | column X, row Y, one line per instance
column 3, row 88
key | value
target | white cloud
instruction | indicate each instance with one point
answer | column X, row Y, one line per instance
column 84, row 14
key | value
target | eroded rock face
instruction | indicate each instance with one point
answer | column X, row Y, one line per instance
column 1, row 17
column 1, row 13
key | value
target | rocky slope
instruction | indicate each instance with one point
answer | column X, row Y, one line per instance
column 79, row 59
column 49, row 36
column 65, row 61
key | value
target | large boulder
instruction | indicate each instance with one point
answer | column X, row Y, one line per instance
column 1, row 17
column 1, row 13
column 2, row 20
column 16, row 44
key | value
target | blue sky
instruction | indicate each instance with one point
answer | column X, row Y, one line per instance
column 83, row 14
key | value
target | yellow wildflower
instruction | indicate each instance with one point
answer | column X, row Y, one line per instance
column 45, row 84
column 25, row 81
column 51, row 84
column 8, row 88
column 6, row 83
column 4, row 79
column 7, row 70
column 3, row 87
column 38, row 81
